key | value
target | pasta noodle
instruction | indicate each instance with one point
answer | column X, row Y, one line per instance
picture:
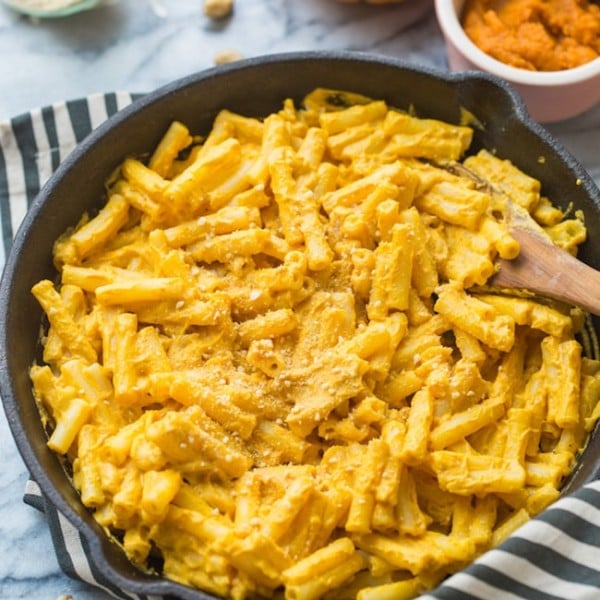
column 273, row 371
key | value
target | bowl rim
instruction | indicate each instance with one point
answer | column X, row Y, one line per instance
column 52, row 13
column 146, row 583
column 449, row 23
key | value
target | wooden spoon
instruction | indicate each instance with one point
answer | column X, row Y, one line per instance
column 542, row 267
column 547, row 270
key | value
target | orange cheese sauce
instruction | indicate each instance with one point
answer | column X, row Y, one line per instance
column 539, row 35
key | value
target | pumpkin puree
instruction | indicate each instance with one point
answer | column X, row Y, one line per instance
column 539, row 35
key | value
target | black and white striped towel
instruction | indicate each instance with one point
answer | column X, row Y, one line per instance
column 553, row 557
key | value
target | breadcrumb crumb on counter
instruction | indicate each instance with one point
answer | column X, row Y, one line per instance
column 218, row 9
column 227, row 56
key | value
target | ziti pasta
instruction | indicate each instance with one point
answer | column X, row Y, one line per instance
column 272, row 367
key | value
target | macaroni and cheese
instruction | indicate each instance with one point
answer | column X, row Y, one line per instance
column 271, row 363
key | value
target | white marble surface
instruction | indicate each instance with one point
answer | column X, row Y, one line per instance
column 137, row 45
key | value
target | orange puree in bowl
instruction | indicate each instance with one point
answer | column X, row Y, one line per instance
column 540, row 35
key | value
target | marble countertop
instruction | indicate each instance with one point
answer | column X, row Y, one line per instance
column 136, row 46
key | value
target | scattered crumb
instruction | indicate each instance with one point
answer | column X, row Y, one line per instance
column 227, row 56
column 218, row 9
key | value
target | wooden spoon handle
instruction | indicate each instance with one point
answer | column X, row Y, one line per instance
column 550, row 271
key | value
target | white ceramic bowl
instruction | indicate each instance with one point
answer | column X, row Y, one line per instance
column 549, row 96
column 52, row 10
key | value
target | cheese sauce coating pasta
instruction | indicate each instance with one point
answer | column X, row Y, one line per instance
column 273, row 370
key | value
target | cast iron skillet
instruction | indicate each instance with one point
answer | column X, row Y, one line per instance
column 254, row 87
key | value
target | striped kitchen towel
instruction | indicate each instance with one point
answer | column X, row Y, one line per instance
column 555, row 556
